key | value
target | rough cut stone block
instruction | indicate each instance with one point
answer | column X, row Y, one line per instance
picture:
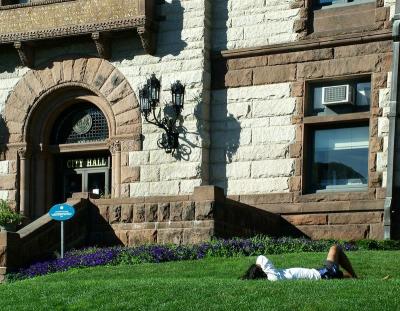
column 102, row 74
column 179, row 171
column 236, row 78
column 188, row 211
column 167, row 236
column 45, row 78
column 122, row 236
column 79, row 69
column 204, row 210
column 114, row 79
column 126, row 213
column 140, row 237
column 297, row 89
column 151, row 212
column 295, row 183
column 272, row 168
column 307, row 219
column 138, row 213
column 338, row 67
column 67, row 69
column 125, row 104
column 57, row 73
column 149, row 173
column 198, row 235
column 298, row 57
column 103, row 210
column 118, row 93
column 176, row 211
column 248, row 62
column 274, row 74
column 130, row 174
column 92, row 66
column 4, row 167
column 363, row 49
column 274, row 107
column 356, row 218
column 114, row 214
column 376, row 232
column 8, row 182
column 340, row 232
column 3, row 256
column 260, row 185
column 163, row 212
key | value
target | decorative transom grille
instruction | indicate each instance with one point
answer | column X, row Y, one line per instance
column 79, row 125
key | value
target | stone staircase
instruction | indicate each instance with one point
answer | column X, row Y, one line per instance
column 41, row 239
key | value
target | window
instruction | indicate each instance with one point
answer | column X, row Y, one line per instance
column 80, row 125
column 361, row 90
column 336, row 138
column 337, row 3
column 340, row 158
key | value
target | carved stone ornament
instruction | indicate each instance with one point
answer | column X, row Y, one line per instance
column 25, row 53
column 75, row 18
column 103, row 45
column 23, row 153
column 115, row 146
column 82, row 124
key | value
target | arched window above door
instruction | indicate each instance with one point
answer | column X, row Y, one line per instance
column 82, row 123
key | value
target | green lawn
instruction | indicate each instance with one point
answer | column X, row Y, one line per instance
column 210, row 284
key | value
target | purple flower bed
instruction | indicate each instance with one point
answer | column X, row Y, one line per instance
column 91, row 257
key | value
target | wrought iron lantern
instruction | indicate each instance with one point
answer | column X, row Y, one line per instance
column 149, row 97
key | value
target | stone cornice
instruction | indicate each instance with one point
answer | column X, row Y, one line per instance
column 30, row 4
column 308, row 44
column 24, row 23
column 73, row 30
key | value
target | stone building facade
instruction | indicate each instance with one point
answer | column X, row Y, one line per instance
column 258, row 150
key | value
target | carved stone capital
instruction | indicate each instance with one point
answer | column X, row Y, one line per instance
column 103, row 45
column 114, row 146
column 23, row 153
column 25, row 53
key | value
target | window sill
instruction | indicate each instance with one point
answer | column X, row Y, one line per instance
column 343, row 118
column 343, row 189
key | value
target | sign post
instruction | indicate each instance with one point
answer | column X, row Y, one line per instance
column 62, row 212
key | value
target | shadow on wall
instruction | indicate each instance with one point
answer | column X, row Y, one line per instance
column 169, row 35
column 170, row 42
column 225, row 140
column 220, row 17
column 4, row 136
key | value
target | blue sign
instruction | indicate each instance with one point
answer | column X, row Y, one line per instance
column 62, row 212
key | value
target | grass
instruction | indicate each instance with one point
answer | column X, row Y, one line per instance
column 210, row 284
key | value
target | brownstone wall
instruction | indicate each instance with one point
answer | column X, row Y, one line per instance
column 179, row 220
column 343, row 215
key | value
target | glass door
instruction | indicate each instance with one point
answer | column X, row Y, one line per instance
column 73, row 182
column 97, row 183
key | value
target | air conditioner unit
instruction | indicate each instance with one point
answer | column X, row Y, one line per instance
column 338, row 95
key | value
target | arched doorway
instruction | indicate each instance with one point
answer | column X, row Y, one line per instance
column 69, row 142
column 41, row 101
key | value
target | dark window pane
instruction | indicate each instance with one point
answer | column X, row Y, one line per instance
column 83, row 123
column 340, row 158
column 96, row 183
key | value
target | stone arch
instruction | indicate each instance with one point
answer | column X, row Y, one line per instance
column 41, row 96
column 93, row 74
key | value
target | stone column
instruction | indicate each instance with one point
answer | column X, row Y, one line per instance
column 115, row 149
column 24, row 175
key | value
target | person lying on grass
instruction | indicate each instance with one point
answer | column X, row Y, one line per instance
column 264, row 269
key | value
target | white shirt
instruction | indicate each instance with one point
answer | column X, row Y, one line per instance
column 286, row 274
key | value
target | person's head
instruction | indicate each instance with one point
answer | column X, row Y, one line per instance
column 254, row 272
